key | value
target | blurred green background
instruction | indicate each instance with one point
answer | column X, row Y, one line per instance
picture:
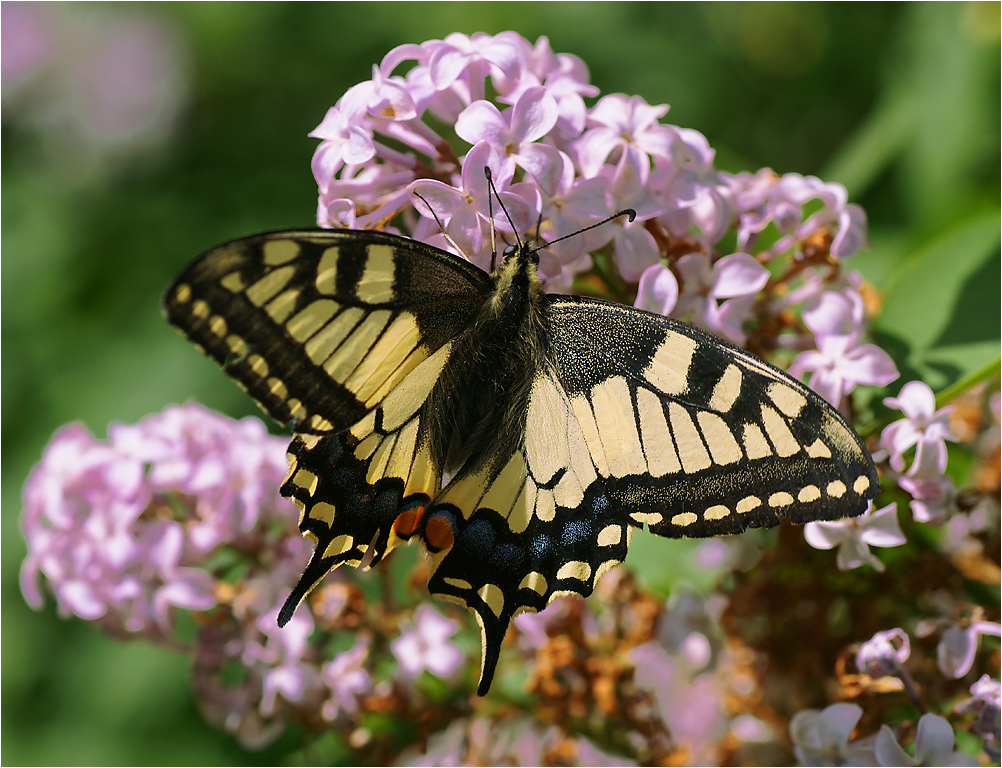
column 899, row 102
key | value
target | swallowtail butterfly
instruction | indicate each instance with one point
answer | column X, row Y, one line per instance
column 561, row 423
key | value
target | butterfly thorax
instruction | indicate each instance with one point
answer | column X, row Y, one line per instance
column 478, row 407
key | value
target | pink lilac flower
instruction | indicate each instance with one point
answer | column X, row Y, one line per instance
column 705, row 282
column 627, row 126
column 348, row 681
column 986, row 704
column 933, row 745
column 425, row 645
column 933, row 493
column 923, row 426
column 840, row 364
column 821, row 737
column 688, row 187
column 97, row 514
column 691, row 705
column 532, row 117
column 855, row 535
column 958, row 645
column 658, row 290
column 884, row 653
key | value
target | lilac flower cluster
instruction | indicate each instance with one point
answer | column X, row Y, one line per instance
column 129, row 531
column 823, row 738
column 560, row 165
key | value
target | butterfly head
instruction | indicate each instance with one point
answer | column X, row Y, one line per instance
column 521, row 253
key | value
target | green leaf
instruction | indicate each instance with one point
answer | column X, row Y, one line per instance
column 940, row 313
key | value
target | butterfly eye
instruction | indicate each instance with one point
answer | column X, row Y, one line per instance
column 510, row 251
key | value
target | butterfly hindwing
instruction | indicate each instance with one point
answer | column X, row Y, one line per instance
column 320, row 326
column 695, row 437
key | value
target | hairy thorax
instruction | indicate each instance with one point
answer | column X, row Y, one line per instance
column 480, row 402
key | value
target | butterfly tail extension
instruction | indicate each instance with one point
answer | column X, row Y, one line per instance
column 520, row 548
column 349, row 519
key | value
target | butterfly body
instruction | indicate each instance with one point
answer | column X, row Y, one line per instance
column 558, row 423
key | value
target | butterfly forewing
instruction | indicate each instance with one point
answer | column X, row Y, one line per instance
column 320, row 326
column 695, row 437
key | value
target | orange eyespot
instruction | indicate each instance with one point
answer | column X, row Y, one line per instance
column 439, row 533
column 407, row 522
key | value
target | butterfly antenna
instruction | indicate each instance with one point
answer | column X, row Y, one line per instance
column 490, row 210
column 490, row 181
column 441, row 227
column 625, row 212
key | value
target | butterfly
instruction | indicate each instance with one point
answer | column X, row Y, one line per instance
column 521, row 436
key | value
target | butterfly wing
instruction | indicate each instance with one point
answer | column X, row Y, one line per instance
column 637, row 419
column 319, row 326
column 695, row 437
column 342, row 334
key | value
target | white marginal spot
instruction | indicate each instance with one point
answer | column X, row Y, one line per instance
column 258, row 365
column 716, row 512
column 861, row 484
column 818, row 450
column 726, row 390
column 780, row 499
column 610, row 536
column 786, row 398
column 306, row 480
column 217, row 325
column 684, row 519
column 575, row 569
column 836, row 489
column 651, row 518
column 277, row 388
column 808, row 494
column 747, row 504
column 200, row 309
column 237, row 345
column 182, row 294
